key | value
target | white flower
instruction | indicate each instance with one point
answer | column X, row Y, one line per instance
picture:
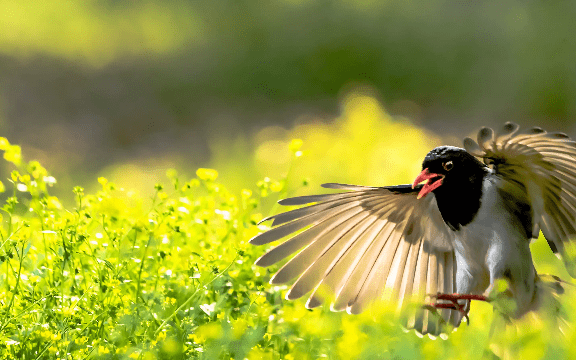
column 225, row 214
column 50, row 180
column 208, row 309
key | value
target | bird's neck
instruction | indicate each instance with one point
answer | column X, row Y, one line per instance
column 460, row 200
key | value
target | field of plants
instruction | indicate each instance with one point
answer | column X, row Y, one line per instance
column 120, row 275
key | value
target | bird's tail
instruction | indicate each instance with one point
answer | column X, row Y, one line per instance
column 549, row 290
column 550, row 285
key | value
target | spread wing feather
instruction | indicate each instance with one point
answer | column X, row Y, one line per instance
column 362, row 245
column 543, row 166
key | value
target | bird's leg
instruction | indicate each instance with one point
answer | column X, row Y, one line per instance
column 454, row 297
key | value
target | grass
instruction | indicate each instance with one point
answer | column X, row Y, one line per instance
column 118, row 276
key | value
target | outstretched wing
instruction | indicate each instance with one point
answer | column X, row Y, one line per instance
column 364, row 244
column 542, row 166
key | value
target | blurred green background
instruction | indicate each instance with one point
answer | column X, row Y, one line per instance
column 128, row 89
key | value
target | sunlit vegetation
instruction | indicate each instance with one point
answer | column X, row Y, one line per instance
column 120, row 276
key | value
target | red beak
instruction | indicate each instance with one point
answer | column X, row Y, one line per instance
column 429, row 186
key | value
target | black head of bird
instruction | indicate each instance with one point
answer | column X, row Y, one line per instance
column 455, row 177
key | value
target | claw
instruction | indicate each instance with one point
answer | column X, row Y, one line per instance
column 454, row 305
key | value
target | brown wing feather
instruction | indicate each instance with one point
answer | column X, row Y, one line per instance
column 363, row 245
column 544, row 166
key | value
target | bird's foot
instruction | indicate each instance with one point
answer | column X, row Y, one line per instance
column 454, row 305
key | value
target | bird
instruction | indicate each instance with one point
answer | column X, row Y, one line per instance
column 465, row 223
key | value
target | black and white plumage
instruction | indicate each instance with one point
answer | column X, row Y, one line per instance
column 468, row 225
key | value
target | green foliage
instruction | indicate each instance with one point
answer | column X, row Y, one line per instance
column 118, row 276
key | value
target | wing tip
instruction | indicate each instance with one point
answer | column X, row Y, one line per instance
column 284, row 202
column 313, row 302
column 334, row 308
column 274, row 280
column 266, row 219
column 292, row 294
column 261, row 261
column 354, row 309
column 472, row 147
column 339, row 186
column 261, row 239
column 299, row 200
column 254, row 240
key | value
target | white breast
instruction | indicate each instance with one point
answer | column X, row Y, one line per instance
column 492, row 246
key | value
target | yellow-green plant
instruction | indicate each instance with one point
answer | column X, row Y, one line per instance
column 117, row 276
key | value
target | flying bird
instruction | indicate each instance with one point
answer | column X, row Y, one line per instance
column 445, row 241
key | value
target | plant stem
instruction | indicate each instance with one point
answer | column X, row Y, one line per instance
column 192, row 296
column 21, row 258
column 141, row 268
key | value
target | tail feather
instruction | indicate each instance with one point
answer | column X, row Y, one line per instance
column 549, row 289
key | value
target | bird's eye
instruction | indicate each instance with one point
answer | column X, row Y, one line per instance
column 448, row 165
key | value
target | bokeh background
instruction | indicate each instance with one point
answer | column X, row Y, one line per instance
column 128, row 89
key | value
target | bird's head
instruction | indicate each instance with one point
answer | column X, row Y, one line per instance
column 447, row 167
